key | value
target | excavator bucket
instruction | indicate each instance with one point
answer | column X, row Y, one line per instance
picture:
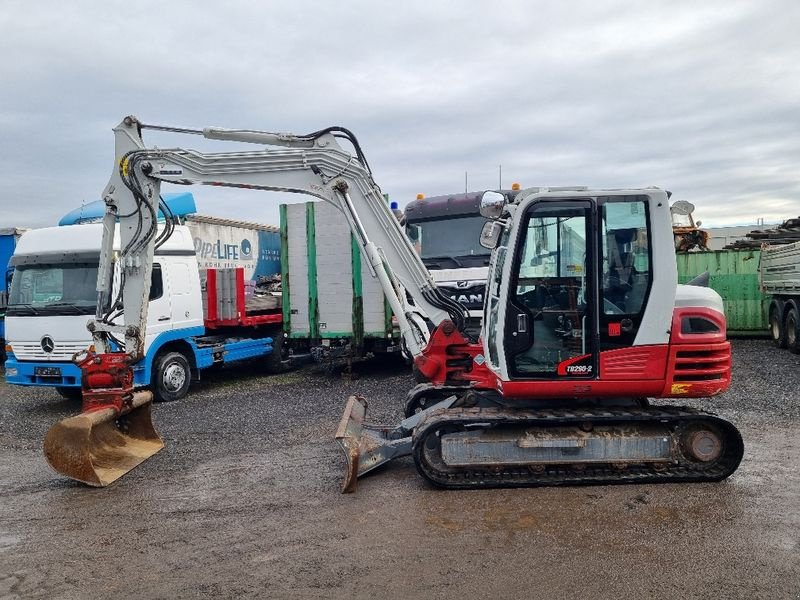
column 368, row 446
column 101, row 446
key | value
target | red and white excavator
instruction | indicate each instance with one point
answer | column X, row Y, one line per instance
column 583, row 322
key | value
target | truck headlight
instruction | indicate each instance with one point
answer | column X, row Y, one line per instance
column 12, row 372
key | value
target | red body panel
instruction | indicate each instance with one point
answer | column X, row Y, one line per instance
column 692, row 365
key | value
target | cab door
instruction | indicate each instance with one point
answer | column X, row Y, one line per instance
column 625, row 268
column 551, row 318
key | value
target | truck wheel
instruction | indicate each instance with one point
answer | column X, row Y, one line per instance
column 776, row 326
column 792, row 333
column 171, row 377
column 70, row 393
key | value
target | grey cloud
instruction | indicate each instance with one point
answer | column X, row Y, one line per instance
column 701, row 99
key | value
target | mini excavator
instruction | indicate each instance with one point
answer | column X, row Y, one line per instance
column 584, row 323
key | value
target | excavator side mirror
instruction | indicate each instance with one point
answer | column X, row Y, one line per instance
column 492, row 204
column 490, row 234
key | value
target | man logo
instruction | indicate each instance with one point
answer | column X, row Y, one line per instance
column 48, row 345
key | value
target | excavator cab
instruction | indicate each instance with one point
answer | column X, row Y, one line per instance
column 576, row 285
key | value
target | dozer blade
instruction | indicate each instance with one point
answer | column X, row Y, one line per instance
column 367, row 446
column 99, row 447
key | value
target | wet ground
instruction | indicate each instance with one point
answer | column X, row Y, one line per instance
column 244, row 502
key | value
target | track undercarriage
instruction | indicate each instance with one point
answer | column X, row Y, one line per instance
column 594, row 442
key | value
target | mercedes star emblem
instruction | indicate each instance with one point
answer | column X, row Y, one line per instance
column 48, row 345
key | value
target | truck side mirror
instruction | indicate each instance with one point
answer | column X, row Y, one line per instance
column 492, row 204
column 490, row 234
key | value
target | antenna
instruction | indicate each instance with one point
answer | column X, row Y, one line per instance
column 500, row 182
column 466, row 182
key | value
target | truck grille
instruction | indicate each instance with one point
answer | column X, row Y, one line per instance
column 33, row 351
column 470, row 297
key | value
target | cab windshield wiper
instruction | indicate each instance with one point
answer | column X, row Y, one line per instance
column 71, row 305
column 22, row 307
column 434, row 261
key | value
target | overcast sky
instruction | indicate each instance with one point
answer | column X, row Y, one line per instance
column 701, row 98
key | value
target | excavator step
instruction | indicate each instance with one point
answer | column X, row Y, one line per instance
column 485, row 448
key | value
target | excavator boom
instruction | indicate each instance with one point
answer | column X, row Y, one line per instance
column 96, row 447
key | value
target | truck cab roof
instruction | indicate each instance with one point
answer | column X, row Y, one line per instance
column 57, row 244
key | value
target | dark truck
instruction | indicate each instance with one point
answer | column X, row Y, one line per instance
column 445, row 231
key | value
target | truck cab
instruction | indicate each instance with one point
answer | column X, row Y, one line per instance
column 445, row 231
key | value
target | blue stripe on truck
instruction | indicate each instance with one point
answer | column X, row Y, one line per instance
column 23, row 372
column 142, row 370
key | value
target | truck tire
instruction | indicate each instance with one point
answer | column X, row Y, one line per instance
column 70, row 393
column 792, row 329
column 777, row 327
column 172, row 376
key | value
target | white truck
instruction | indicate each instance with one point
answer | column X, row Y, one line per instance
column 779, row 272
column 202, row 311
column 325, row 302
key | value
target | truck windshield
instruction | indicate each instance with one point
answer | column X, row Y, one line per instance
column 454, row 239
column 59, row 289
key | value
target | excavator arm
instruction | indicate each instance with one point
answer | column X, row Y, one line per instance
column 92, row 450
column 313, row 164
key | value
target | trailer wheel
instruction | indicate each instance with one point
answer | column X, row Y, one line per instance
column 274, row 360
column 776, row 326
column 171, row 377
column 792, row 333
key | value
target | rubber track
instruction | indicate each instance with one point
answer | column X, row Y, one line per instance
column 587, row 473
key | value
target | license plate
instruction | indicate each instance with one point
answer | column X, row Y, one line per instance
column 47, row 371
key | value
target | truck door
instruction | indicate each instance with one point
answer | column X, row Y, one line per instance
column 159, row 310
column 550, row 324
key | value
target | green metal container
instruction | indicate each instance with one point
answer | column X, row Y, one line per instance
column 734, row 276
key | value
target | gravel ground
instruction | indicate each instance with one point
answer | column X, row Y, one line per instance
column 244, row 502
